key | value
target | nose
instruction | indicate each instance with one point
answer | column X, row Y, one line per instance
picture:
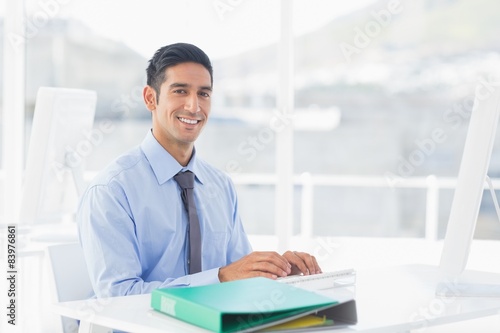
column 192, row 104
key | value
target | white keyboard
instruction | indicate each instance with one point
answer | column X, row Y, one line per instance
column 323, row 280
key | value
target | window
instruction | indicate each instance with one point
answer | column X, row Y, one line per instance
column 390, row 89
column 382, row 96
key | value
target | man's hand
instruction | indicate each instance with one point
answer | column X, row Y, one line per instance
column 302, row 262
column 266, row 264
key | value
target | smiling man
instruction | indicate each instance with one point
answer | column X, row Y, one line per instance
column 133, row 226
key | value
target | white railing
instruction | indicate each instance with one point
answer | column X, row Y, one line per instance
column 432, row 184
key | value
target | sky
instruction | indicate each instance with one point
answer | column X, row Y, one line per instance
column 220, row 27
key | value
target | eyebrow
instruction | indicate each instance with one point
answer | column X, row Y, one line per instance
column 185, row 85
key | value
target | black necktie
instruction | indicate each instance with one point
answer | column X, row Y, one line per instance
column 186, row 182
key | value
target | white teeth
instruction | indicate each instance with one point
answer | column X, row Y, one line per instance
column 188, row 121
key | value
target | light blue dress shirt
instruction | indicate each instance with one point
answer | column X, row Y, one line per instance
column 132, row 223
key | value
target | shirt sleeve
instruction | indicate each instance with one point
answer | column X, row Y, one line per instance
column 107, row 236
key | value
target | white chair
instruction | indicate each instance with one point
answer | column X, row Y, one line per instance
column 71, row 279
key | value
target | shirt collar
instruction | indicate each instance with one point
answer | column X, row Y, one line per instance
column 164, row 165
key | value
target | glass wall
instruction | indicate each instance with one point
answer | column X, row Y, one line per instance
column 75, row 44
column 389, row 89
column 383, row 94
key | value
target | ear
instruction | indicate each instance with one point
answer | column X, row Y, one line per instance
column 149, row 95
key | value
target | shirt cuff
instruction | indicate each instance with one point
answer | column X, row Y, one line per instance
column 210, row 276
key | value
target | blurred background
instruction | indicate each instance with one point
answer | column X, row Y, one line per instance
column 381, row 96
column 372, row 81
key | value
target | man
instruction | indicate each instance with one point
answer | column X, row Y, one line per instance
column 133, row 226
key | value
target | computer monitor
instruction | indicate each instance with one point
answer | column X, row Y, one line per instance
column 58, row 146
column 471, row 180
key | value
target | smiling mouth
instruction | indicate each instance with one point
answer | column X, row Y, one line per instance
column 188, row 121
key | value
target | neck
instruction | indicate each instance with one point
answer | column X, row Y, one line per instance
column 182, row 152
column 183, row 156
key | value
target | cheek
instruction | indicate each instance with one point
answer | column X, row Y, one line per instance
column 206, row 106
column 166, row 109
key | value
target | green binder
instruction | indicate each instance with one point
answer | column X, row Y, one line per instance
column 246, row 305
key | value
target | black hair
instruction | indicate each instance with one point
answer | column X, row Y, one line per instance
column 171, row 55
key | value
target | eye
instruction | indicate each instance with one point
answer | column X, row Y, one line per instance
column 204, row 94
column 180, row 91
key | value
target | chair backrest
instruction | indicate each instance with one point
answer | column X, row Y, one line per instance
column 70, row 275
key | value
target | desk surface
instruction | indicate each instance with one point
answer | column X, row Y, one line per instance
column 391, row 299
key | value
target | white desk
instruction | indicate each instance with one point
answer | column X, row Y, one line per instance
column 394, row 299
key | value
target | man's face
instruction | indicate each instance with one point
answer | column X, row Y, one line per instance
column 183, row 105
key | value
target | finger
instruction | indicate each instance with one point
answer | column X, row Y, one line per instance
column 272, row 263
column 307, row 263
column 296, row 260
column 275, row 259
column 267, row 270
column 263, row 274
column 312, row 264
column 301, row 263
column 248, row 267
column 316, row 265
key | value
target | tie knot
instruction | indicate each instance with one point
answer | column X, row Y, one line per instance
column 185, row 179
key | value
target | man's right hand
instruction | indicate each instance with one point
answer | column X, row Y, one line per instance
column 267, row 264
